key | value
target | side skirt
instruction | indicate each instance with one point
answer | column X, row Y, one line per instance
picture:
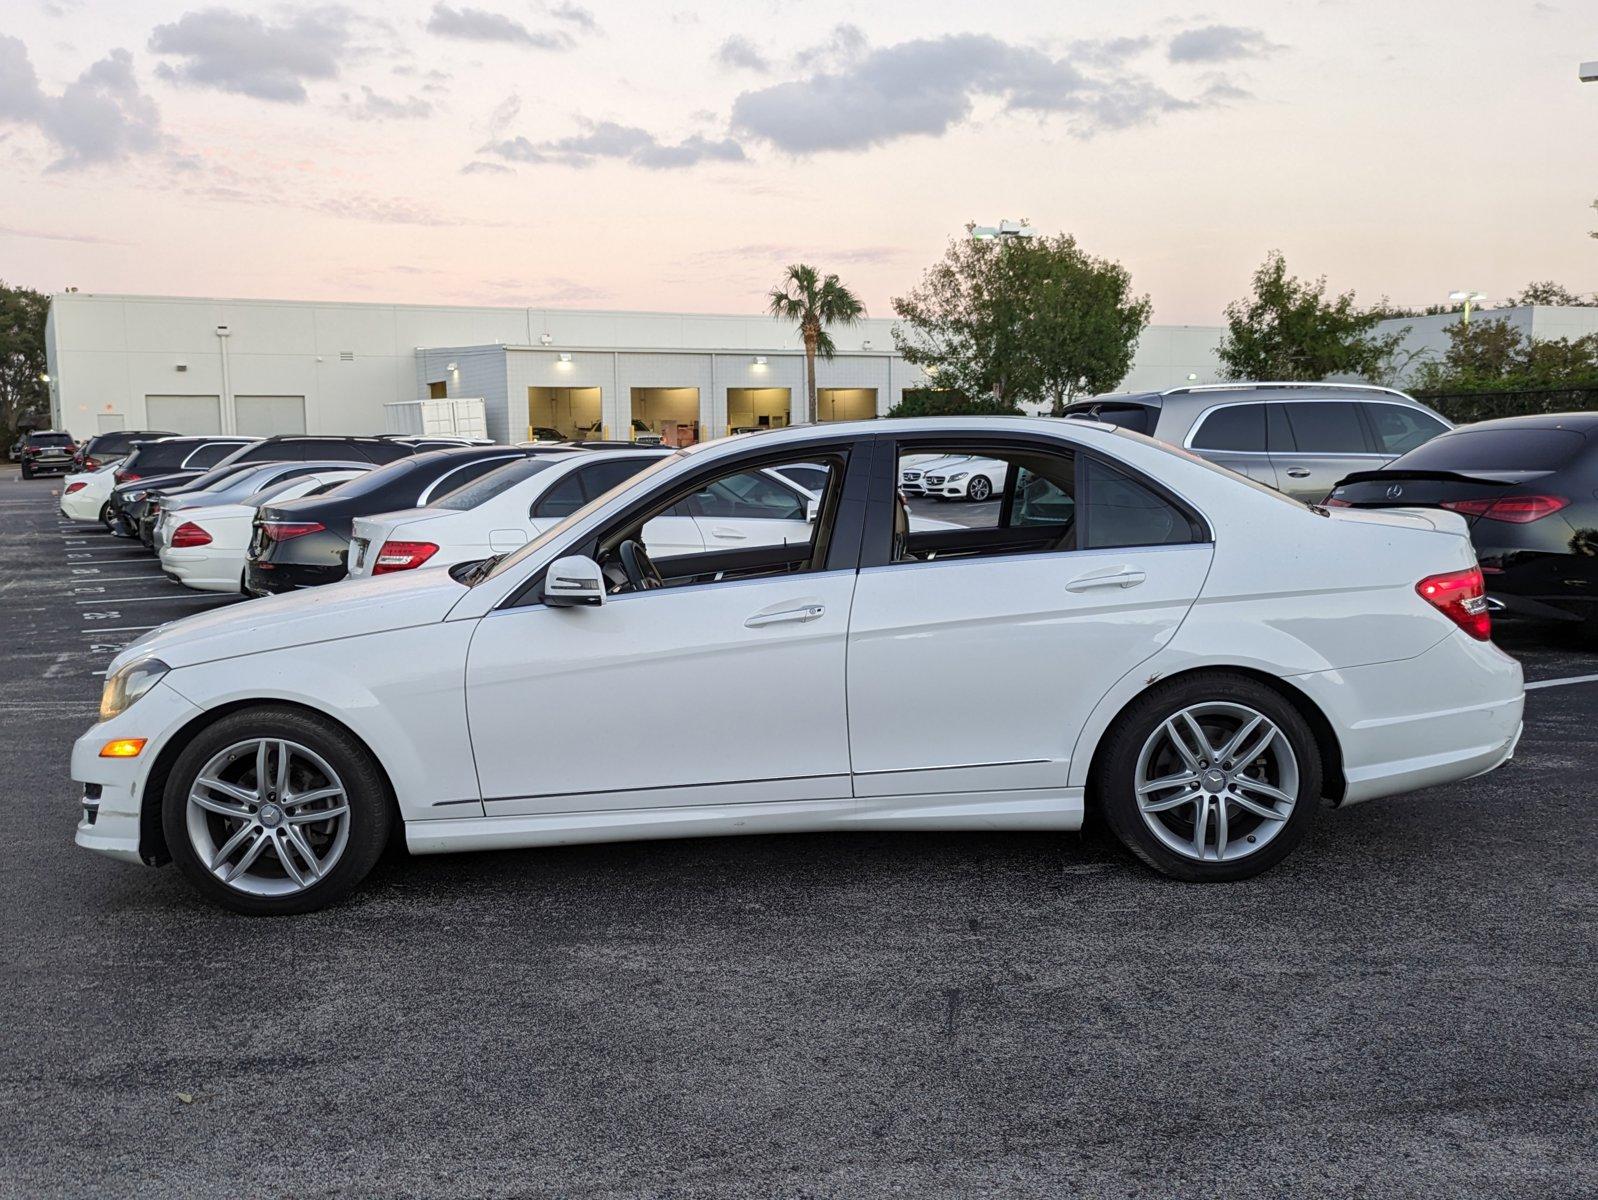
column 1029, row 809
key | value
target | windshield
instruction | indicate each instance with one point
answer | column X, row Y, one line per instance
column 559, row 530
column 1509, row 448
column 480, row 491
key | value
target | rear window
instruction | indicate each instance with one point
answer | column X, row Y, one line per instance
column 482, row 490
column 50, row 439
column 1496, row 450
column 209, row 456
column 153, row 456
column 1139, row 418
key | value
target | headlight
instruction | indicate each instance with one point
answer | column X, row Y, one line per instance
column 133, row 497
column 958, row 476
column 127, row 684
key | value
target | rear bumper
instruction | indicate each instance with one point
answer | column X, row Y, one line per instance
column 270, row 579
column 1445, row 716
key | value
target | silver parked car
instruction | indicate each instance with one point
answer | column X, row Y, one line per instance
column 1298, row 437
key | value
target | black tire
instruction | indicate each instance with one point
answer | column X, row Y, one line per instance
column 971, row 489
column 27, row 471
column 1115, row 781
column 371, row 815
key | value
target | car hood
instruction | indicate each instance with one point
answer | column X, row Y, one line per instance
column 350, row 608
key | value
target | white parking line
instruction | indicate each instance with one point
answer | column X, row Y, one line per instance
column 1569, row 679
column 122, row 578
column 155, row 599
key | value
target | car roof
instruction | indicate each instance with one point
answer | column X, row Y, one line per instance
column 1209, row 393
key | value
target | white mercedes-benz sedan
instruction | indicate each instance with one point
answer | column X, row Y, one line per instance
column 84, row 493
column 1201, row 659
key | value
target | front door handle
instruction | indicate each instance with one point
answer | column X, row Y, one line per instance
column 808, row 612
column 1298, row 472
column 731, row 535
column 1124, row 578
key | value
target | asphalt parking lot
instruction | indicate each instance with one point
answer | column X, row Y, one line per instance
column 1405, row 1007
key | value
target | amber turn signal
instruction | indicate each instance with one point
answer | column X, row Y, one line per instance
column 122, row 748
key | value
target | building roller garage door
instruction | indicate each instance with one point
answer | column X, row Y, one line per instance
column 183, row 414
column 262, row 416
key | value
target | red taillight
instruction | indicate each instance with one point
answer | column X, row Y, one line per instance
column 1517, row 510
column 402, row 556
column 1333, row 502
column 74, row 487
column 189, row 534
column 90, row 464
column 1461, row 596
column 282, row 531
column 126, row 477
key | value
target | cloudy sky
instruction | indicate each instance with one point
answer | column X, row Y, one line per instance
column 673, row 155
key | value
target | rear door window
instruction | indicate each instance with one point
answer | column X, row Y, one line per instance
column 1121, row 511
column 1511, row 449
column 209, row 455
column 1326, row 427
column 1235, row 427
column 1399, row 429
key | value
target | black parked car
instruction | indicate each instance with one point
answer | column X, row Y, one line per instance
column 46, row 452
column 103, row 447
column 303, row 543
column 311, row 447
column 166, row 462
column 1528, row 486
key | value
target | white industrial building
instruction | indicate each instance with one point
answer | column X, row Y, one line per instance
column 271, row 366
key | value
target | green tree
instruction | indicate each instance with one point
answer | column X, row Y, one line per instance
column 943, row 402
column 814, row 302
column 1289, row 330
column 1497, row 356
column 1012, row 319
column 24, row 397
column 1549, row 292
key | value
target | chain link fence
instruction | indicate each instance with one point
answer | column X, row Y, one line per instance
column 1463, row 408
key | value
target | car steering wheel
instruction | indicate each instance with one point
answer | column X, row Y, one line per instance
column 642, row 574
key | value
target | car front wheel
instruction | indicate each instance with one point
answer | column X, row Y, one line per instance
column 1211, row 778
column 979, row 489
column 271, row 811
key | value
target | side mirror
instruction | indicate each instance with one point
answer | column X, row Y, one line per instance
column 812, row 511
column 574, row 581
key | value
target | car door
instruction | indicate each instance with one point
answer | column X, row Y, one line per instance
column 1234, row 436
column 1328, row 441
column 975, row 656
column 668, row 698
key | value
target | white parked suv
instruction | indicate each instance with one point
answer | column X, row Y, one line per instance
column 1201, row 659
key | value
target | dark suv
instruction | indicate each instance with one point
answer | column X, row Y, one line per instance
column 103, row 447
column 46, row 452
column 310, row 447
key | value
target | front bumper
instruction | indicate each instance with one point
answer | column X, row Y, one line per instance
column 114, row 827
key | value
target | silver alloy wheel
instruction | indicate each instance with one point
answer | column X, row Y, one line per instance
column 268, row 817
column 1216, row 782
column 979, row 489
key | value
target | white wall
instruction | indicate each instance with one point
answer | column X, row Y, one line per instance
column 107, row 353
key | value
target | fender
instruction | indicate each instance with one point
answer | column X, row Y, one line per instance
column 403, row 693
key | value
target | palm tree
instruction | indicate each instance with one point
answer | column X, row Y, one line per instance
column 813, row 303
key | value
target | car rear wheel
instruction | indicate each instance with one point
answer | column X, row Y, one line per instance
column 271, row 812
column 27, row 471
column 979, row 489
column 1214, row 777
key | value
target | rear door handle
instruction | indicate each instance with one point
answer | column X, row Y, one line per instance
column 1124, row 578
column 808, row 612
column 731, row 535
column 1298, row 472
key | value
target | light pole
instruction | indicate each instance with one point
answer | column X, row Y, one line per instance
column 1469, row 298
column 1003, row 231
